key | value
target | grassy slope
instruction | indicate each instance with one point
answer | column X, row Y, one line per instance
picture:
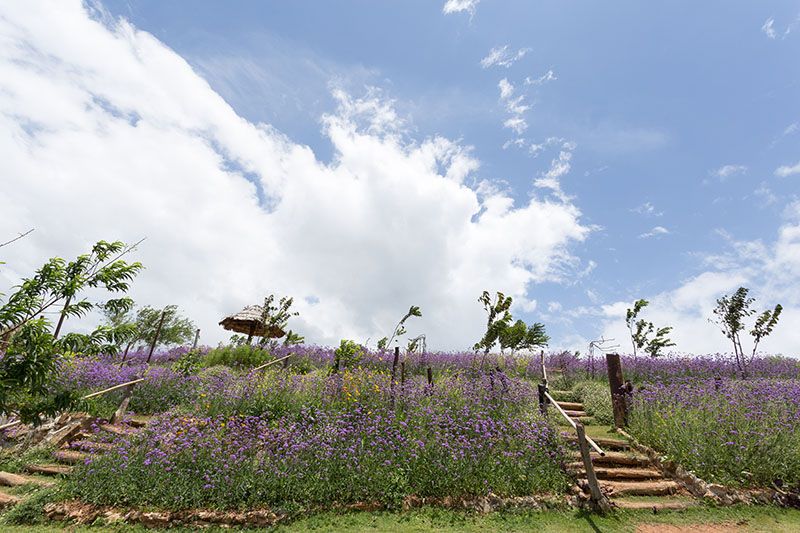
column 763, row 519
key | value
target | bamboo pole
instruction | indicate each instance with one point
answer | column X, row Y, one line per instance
column 592, row 443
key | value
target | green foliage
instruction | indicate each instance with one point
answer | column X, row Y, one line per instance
column 31, row 509
column 498, row 319
column 189, row 363
column 275, row 317
column 237, row 356
column 640, row 331
column 175, row 329
column 731, row 313
column 347, row 355
column 399, row 329
column 29, row 346
column 596, row 399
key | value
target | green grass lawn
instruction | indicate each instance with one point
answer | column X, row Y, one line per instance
column 738, row 518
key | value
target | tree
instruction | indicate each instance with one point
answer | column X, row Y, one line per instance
column 641, row 330
column 535, row 337
column 513, row 336
column 497, row 320
column 399, row 329
column 275, row 317
column 29, row 345
column 731, row 312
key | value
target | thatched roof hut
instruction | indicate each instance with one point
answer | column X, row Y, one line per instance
column 249, row 321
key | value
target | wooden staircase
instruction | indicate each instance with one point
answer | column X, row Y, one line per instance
column 625, row 476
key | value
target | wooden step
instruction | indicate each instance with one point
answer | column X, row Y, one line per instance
column 570, row 406
column 7, row 479
column 576, row 414
column 662, row 504
column 139, row 421
column 118, row 429
column 49, row 469
column 90, row 446
column 619, row 473
column 8, row 500
column 603, row 442
column 70, row 457
column 616, row 458
column 639, row 488
column 565, row 395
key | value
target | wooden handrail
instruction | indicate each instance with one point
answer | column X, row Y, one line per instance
column 272, row 362
column 592, row 443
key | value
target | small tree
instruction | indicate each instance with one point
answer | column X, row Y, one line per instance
column 513, row 337
column 400, row 328
column 29, row 344
column 275, row 317
column 498, row 319
column 535, row 337
column 640, row 331
column 731, row 312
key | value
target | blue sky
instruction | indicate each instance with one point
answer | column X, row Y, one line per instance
column 675, row 118
column 656, row 97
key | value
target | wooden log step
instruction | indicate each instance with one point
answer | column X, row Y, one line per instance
column 91, row 446
column 603, row 442
column 570, row 406
column 7, row 479
column 617, row 458
column 49, row 469
column 576, row 414
column 117, row 429
column 662, row 504
column 8, row 500
column 620, row 473
column 139, row 421
column 565, row 395
column 639, row 488
column 70, row 457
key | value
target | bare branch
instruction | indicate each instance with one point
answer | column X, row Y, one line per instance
column 21, row 235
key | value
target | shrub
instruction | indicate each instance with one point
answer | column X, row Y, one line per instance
column 596, row 398
column 243, row 356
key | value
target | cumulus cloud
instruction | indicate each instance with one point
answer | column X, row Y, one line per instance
column 655, row 232
column 106, row 133
column 647, row 209
column 460, row 6
column 501, row 56
column 770, row 270
column 788, row 170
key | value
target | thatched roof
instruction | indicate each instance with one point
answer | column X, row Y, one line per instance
column 248, row 321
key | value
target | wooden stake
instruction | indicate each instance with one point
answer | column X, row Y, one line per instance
column 544, row 370
column 265, row 365
column 155, row 337
column 616, row 383
column 542, row 398
column 597, row 495
column 430, row 377
column 196, row 338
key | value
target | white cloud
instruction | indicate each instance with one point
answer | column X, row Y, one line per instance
column 514, row 106
column 788, row 170
column 655, row 232
column 727, row 171
column 541, row 80
column 647, row 209
column 769, row 28
column 769, row 270
column 107, row 133
column 765, row 194
column 460, row 6
column 559, row 167
column 791, row 128
column 501, row 56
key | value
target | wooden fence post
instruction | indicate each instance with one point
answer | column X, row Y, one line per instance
column 394, row 372
column 155, row 337
column 617, row 384
column 598, row 498
column 544, row 370
column 196, row 338
column 430, row 377
column 542, row 398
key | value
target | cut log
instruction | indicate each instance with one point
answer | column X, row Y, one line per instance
column 8, row 500
column 7, row 479
column 617, row 458
column 665, row 504
column 139, row 421
column 575, row 414
column 71, row 457
column 117, row 429
column 620, row 474
column 644, row 488
column 49, row 469
column 91, row 446
column 570, row 406
column 603, row 442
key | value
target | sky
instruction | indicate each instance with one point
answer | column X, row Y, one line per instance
column 364, row 157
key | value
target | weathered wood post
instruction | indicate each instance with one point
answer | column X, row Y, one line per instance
column 394, row 372
column 617, row 384
column 542, row 398
column 196, row 338
column 544, row 370
column 402, row 375
column 155, row 337
column 598, row 498
column 430, row 377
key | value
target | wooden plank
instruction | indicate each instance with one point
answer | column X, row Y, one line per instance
column 594, row 487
